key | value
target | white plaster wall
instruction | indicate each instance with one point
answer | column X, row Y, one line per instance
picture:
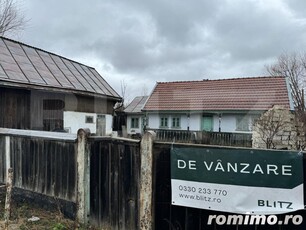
column 228, row 121
column 195, row 122
column 73, row 121
column 133, row 130
column 153, row 121
column 184, row 121
column 109, row 124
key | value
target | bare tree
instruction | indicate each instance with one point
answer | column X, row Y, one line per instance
column 144, row 90
column 124, row 92
column 121, row 105
column 11, row 18
column 293, row 67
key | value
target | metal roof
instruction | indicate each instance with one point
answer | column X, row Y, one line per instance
column 136, row 105
column 247, row 94
column 22, row 65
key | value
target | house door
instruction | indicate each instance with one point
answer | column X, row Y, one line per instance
column 207, row 123
column 101, row 125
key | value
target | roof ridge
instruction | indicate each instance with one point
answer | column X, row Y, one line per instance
column 220, row 79
column 40, row 49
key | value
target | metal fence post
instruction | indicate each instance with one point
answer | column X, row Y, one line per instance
column 146, row 215
column 83, row 176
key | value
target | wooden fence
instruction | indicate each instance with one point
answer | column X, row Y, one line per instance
column 111, row 183
column 202, row 137
column 43, row 163
column 95, row 180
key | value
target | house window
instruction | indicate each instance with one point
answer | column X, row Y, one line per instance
column 52, row 114
column 134, row 122
column 176, row 122
column 242, row 123
column 89, row 119
column 164, row 122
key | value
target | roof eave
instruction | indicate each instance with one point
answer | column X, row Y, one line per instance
column 57, row 90
column 208, row 111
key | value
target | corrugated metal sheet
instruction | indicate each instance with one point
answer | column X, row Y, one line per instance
column 25, row 65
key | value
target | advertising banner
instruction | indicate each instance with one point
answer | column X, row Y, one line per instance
column 248, row 181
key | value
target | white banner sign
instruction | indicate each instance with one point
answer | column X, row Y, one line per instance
column 237, row 181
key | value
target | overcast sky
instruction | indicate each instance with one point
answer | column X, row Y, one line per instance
column 142, row 42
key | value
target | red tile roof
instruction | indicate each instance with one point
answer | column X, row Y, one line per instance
column 25, row 66
column 254, row 93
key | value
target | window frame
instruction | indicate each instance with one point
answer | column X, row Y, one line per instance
column 134, row 123
column 164, row 122
column 89, row 119
column 176, row 122
column 243, row 123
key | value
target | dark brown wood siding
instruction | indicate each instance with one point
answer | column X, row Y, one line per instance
column 43, row 110
column 15, row 108
column 93, row 105
column 47, row 110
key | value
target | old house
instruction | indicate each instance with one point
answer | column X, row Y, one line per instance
column 136, row 121
column 40, row 90
column 227, row 105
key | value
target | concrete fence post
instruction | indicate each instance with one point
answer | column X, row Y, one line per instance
column 83, row 176
column 8, row 198
column 146, row 215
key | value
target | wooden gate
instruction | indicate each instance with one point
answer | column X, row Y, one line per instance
column 114, row 183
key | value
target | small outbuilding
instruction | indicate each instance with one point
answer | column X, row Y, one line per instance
column 136, row 120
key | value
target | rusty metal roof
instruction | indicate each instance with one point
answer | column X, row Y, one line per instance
column 247, row 94
column 22, row 65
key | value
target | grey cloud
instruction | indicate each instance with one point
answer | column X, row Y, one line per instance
column 168, row 40
column 297, row 7
column 251, row 32
column 175, row 20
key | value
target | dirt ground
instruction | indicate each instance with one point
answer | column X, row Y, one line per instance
column 26, row 215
